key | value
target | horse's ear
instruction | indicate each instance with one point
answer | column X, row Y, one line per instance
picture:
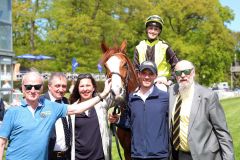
column 104, row 47
column 123, row 46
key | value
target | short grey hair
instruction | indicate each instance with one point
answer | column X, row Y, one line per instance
column 56, row 74
column 32, row 72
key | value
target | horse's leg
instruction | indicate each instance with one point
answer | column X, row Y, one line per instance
column 124, row 137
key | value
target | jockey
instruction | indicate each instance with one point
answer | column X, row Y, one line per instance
column 156, row 50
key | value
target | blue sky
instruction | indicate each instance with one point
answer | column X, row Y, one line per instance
column 235, row 6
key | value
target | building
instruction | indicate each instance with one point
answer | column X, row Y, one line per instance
column 6, row 50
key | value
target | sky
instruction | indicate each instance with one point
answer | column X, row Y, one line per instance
column 235, row 6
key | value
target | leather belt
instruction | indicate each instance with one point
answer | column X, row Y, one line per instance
column 60, row 154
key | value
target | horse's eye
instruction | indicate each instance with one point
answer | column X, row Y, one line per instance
column 125, row 65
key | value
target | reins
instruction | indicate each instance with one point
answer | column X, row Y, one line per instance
column 113, row 129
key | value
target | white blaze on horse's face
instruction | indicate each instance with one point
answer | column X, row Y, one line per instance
column 113, row 65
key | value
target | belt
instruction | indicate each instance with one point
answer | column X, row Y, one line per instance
column 60, row 154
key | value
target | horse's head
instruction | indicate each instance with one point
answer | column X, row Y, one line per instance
column 117, row 66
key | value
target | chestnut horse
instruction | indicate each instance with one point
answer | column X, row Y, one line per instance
column 124, row 80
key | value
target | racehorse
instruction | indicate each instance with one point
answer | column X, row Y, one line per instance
column 124, row 80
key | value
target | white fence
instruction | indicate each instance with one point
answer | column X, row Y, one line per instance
column 222, row 94
column 70, row 76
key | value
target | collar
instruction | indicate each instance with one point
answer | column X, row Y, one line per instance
column 138, row 93
column 24, row 103
column 154, row 93
column 152, row 43
column 53, row 99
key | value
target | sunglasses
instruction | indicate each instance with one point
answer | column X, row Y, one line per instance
column 186, row 72
column 36, row 87
column 82, row 76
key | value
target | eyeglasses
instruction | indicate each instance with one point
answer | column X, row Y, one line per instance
column 186, row 72
column 36, row 87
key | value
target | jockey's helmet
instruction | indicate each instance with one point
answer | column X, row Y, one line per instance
column 154, row 20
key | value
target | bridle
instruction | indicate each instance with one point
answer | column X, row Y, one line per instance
column 124, row 80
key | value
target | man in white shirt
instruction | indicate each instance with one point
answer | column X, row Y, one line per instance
column 59, row 145
column 198, row 127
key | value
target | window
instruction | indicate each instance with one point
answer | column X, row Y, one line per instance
column 5, row 37
column 5, row 11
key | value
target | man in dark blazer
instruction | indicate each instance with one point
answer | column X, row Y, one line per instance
column 197, row 121
column 59, row 147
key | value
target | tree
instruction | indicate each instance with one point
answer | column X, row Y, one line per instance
column 198, row 34
column 26, row 33
column 72, row 28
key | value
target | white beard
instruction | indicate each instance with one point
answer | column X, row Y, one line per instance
column 184, row 89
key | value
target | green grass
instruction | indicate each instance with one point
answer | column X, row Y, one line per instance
column 115, row 155
column 232, row 111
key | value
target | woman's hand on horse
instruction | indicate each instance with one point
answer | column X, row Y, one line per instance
column 107, row 88
column 113, row 118
column 169, row 83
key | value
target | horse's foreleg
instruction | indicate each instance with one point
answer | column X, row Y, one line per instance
column 124, row 137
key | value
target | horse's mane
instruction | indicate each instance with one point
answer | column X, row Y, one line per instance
column 133, row 74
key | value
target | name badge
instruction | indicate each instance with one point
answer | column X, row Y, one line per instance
column 45, row 114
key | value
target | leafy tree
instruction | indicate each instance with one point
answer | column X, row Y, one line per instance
column 71, row 28
column 198, row 34
column 26, row 34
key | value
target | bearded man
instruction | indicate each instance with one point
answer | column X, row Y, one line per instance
column 198, row 128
